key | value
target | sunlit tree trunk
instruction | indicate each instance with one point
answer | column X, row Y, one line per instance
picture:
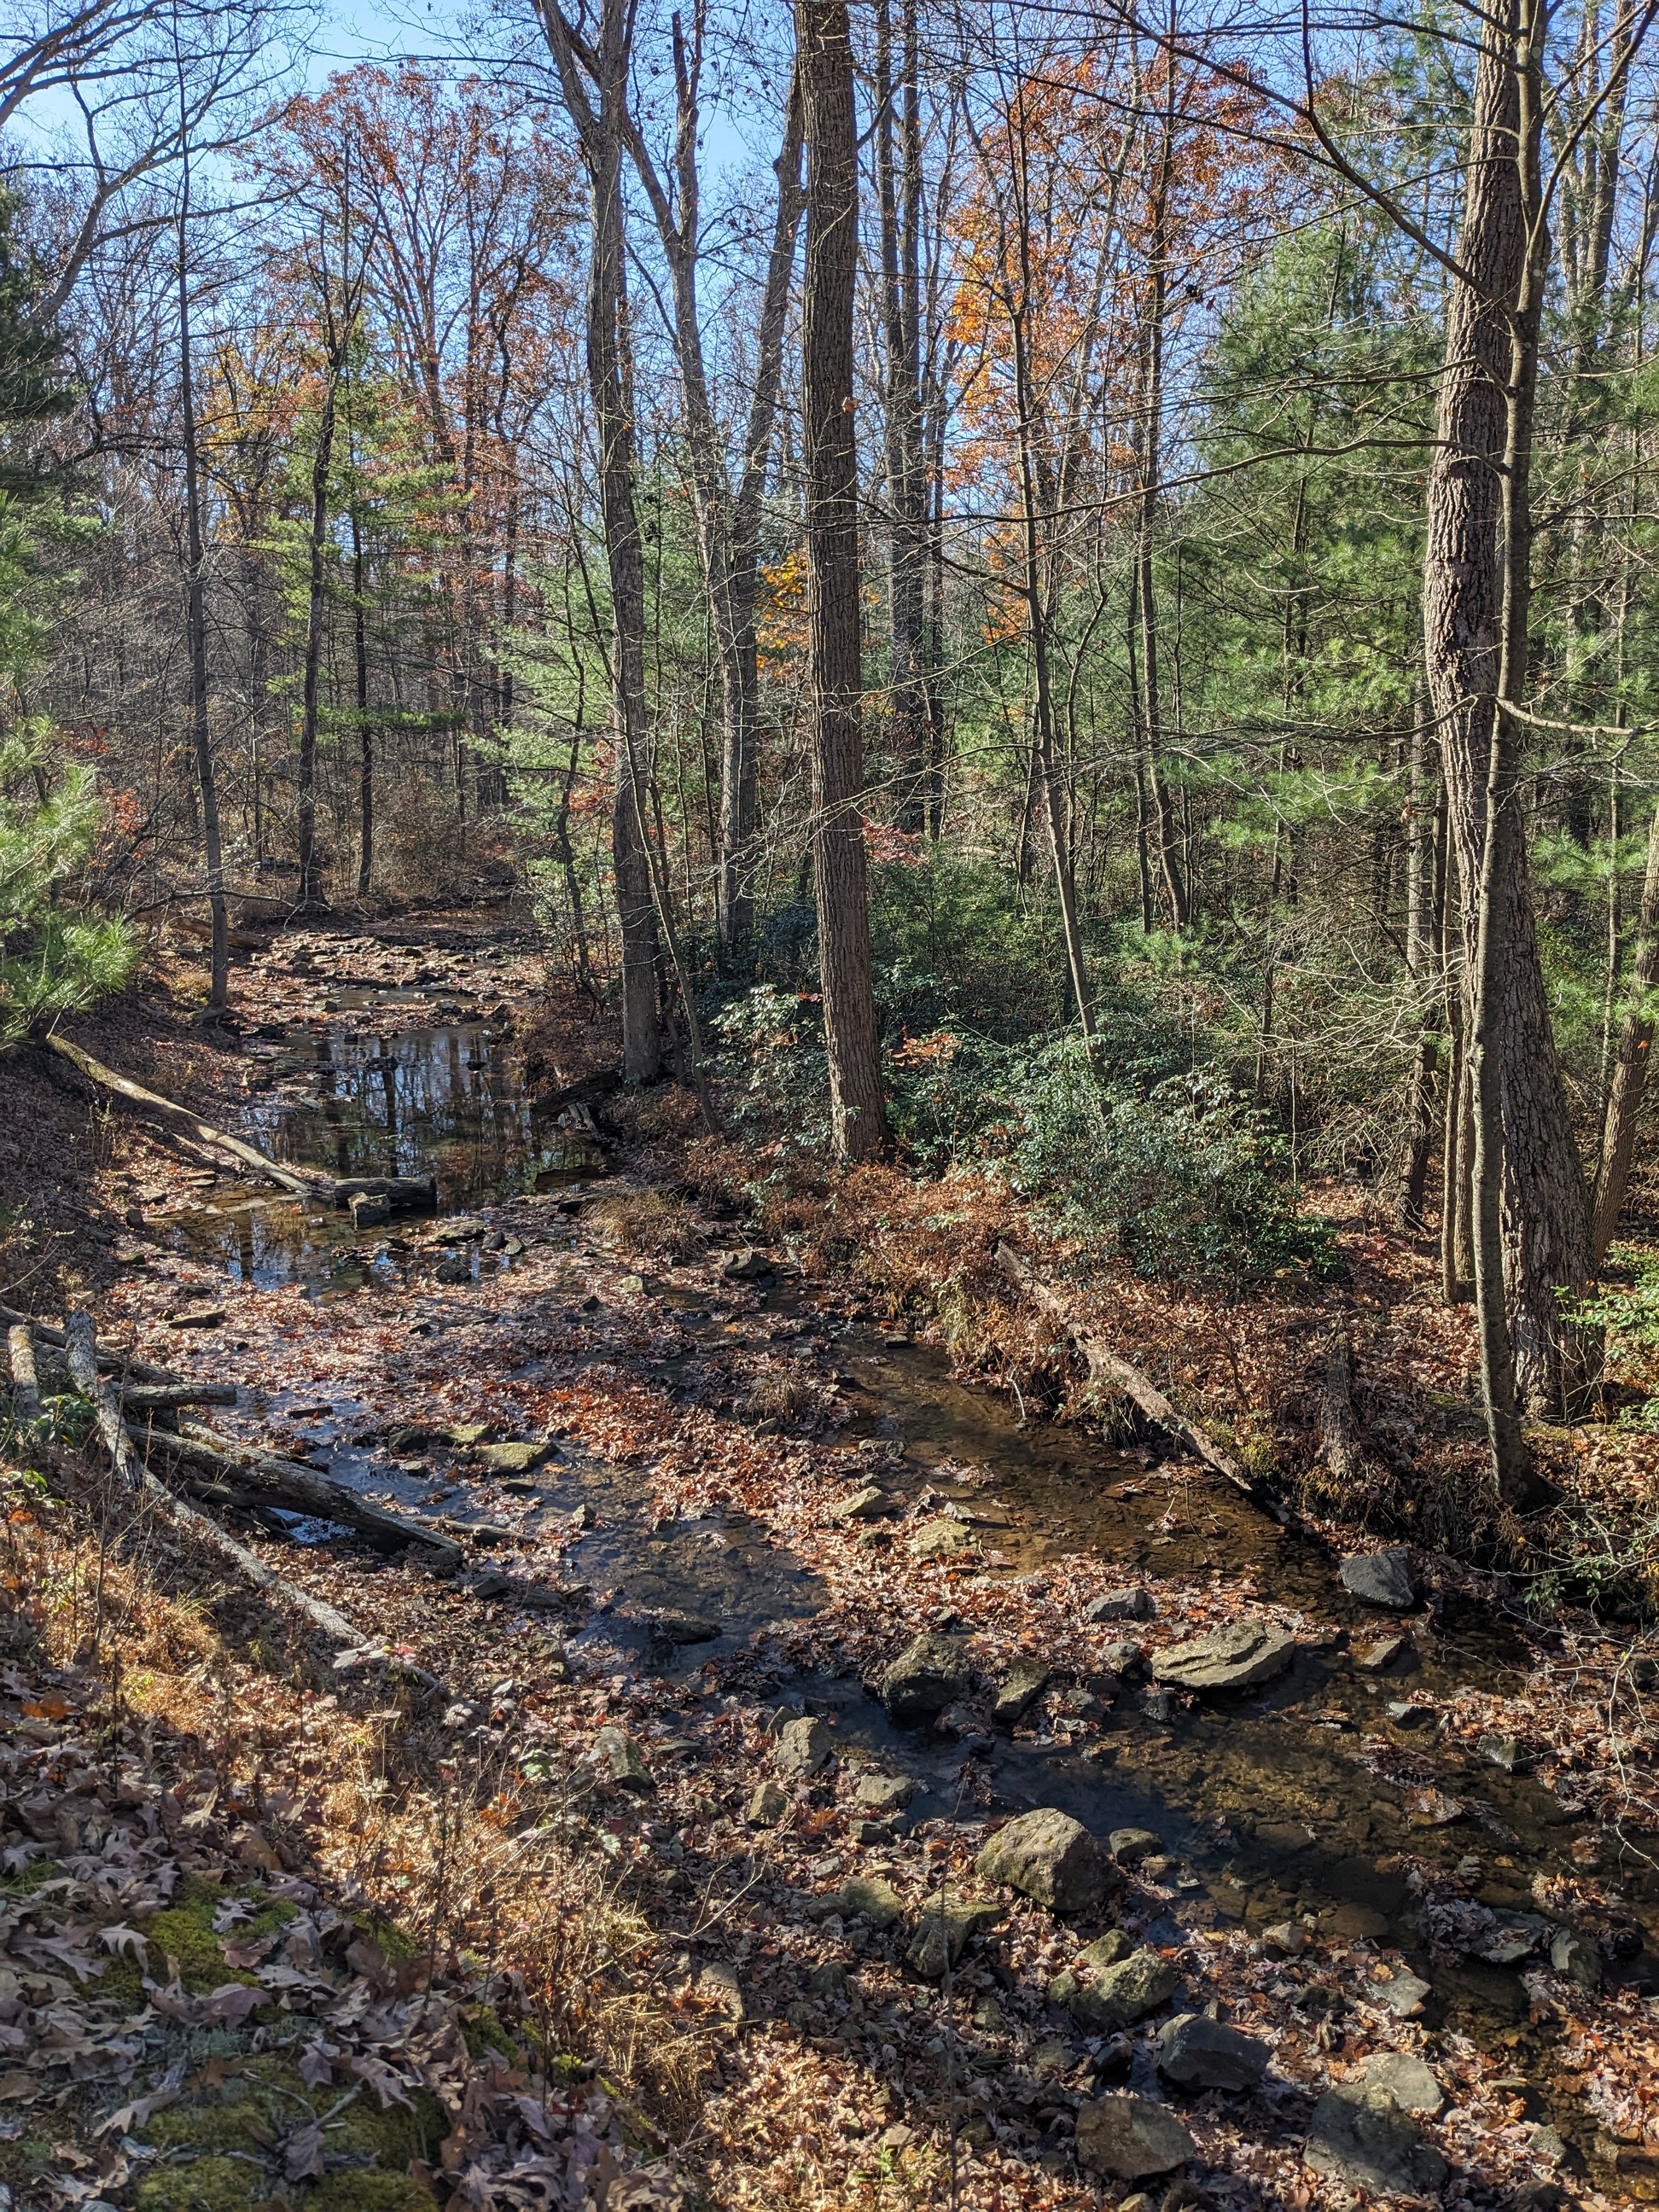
column 196, row 623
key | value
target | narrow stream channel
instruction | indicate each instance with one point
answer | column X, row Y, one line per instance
column 1264, row 1810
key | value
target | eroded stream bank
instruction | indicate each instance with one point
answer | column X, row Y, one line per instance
column 690, row 1434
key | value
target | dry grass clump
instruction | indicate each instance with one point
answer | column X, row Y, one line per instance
column 650, row 1224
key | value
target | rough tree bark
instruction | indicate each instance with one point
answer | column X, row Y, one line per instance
column 601, row 131
column 1532, row 1227
column 824, row 64
column 1630, row 1062
column 195, row 624
column 899, row 186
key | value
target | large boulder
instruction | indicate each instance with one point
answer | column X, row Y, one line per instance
column 931, row 1672
column 1358, row 2133
column 1131, row 2138
column 1381, row 1578
column 1120, row 1995
column 1049, row 1855
column 1235, row 1658
column 1200, row 2053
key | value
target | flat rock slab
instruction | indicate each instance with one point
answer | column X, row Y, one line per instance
column 511, row 1459
column 1120, row 1605
column 1129, row 1846
column 931, row 1672
column 1021, row 1687
column 943, row 1539
column 1403, row 1996
column 1049, row 1857
column 883, row 1793
column 1200, row 2053
column 1131, row 2138
column 1358, row 2133
column 869, row 1503
column 1235, row 1658
column 859, row 1899
column 1381, row 1578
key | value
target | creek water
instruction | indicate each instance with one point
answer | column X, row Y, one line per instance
column 1262, row 1800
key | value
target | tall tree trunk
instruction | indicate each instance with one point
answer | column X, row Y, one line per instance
column 364, row 734
column 1629, row 1078
column 316, row 608
column 196, row 623
column 857, row 1108
column 601, row 132
column 1425, row 865
column 1532, row 1228
column 899, row 184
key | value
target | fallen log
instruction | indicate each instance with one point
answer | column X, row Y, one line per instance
column 294, row 1179
column 298, row 1489
column 404, row 1193
column 25, row 1382
column 81, row 1348
column 163, row 1397
column 1339, row 1427
column 1107, row 1366
column 111, row 1355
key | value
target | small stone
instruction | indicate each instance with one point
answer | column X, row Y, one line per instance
column 1381, row 1578
column 1575, row 1958
column 1403, row 2076
column 803, row 1745
column 1129, row 1846
column 1504, row 1751
column 1122, row 1659
column 197, row 1317
column 630, row 1286
column 1120, row 1605
column 798, row 2016
column 512, row 1459
column 827, row 1981
column 1020, row 1688
column 1200, row 2053
column 943, row 1932
column 857, row 1899
column 719, row 1987
column 1048, row 1856
column 897, row 2137
column 931, row 1672
column 747, row 1266
column 1131, row 2137
column 466, row 1435
column 617, row 1757
column 1287, row 1940
column 1375, row 1658
column 867, row 1505
column 1403, row 1996
column 1052, row 2058
column 1361, row 2136
column 1124, row 1993
column 885, row 1793
column 1236, row 1658
column 1549, row 2146
column 942, row 1539
column 1406, row 1713
column 452, row 1271
column 767, row 1806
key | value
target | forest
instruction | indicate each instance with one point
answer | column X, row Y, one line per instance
column 909, row 754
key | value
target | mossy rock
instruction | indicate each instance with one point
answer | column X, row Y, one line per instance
column 184, row 1930
column 223, row 2145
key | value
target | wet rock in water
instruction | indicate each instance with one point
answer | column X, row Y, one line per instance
column 1129, row 1846
column 943, row 1932
column 868, row 1504
column 1359, row 2134
column 943, row 1539
column 1375, row 1658
column 1235, row 1658
column 885, row 1793
column 931, row 1672
column 462, row 1230
column 1131, row 2137
column 767, row 1807
column 452, row 1271
column 803, row 1745
column 1120, row 1605
column 512, row 1459
column 1575, row 1958
column 859, row 1899
column 1123, row 1994
column 1512, row 1937
column 1403, row 1996
column 1048, row 1856
column 686, row 1628
column 1381, row 1578
column 368, row 1210
column 1404, row 2077
column 1200, row 2053
column 618, row 1758
column 1020, row 1688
